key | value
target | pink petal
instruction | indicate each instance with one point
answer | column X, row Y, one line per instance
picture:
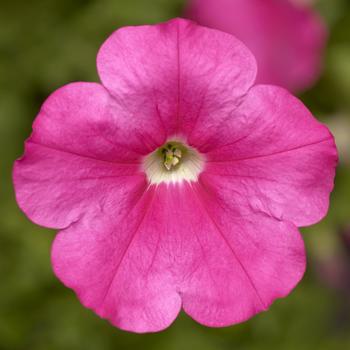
column 178, row 241
column 241, row 263
column 287, row 40
column 118, row 266
column 83, row 118
column 70, row 169
column 273, row 157
column 175, row 74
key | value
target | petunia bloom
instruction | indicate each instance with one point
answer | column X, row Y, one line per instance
column 286, row 37
column 176, row 183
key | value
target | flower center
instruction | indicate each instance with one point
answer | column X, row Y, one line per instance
column 173, row 162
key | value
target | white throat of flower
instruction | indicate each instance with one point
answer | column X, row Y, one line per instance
column 174, row 162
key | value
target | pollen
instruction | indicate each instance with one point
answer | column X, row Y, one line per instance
column 172, row 156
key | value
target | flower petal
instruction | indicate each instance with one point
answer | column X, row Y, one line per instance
column 73, row 165
column 241, row 264
column 84, row 119
column 117, row 267
column 56, row 188
column 176, row 74
column 273, row 157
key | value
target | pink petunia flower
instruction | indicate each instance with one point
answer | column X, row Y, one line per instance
column 176, row 183
column 286, row 37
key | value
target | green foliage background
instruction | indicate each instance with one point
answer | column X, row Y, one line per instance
column 45, row 44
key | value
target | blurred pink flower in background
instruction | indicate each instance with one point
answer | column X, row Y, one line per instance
column 176, row 182
column 287, row 37
column 303, row 3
